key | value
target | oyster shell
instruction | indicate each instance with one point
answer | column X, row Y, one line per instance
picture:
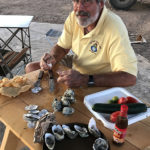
column 65, row 101
column 33, row 111
column 70, row 133
column 72, row 99
column 68, row 110
column 93, row 128
column 43, row 112
column 43, row 125
column 31, row 124
column 69, row 92
column 31, row 117
column 50, row 141
column 57, row 105
column 31, row 107
column 58, row 132
column 81, row 130
column 100, row 144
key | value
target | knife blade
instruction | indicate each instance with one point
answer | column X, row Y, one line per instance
column 51, row 81
column 37, row 83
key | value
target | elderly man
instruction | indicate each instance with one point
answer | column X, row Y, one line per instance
column 103, row 55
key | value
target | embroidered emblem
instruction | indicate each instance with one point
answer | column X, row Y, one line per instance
column 94, row 46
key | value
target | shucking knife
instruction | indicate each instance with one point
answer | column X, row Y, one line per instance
column 51, row 81
column 37, row 88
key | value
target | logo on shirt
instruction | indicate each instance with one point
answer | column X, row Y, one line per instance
column 94, row 46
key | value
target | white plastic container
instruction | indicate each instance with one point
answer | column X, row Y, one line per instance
column 104, row 97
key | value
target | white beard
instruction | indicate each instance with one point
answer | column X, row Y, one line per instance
column 85, row 22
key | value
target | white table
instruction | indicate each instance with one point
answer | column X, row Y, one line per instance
column 18, row 27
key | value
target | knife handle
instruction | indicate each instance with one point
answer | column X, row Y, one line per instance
column 50, row 74
column 41, row 74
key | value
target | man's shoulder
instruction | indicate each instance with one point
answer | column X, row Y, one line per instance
column 113, row 22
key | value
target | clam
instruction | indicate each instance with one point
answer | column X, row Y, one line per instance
column 50, row 141
column 93, row 128
column 68, row 110
column 70, row 133
column 31, row 107
column 58, row 132
column 100, row 144
column 57, row 105
column 81, row 130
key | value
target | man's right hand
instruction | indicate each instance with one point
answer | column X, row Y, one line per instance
column 46, row 60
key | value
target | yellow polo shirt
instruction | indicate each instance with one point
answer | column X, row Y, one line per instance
column 105, row 49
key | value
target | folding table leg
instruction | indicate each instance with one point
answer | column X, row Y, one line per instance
column 10, row 141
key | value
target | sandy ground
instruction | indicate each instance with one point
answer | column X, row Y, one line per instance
column 137, row 19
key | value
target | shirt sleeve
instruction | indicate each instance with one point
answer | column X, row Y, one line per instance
column 121, row 54
column 65, row 40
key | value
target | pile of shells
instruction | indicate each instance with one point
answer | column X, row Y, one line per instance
column 33, row 115
column 65, row 102
column 58, row 133
column 43, row 125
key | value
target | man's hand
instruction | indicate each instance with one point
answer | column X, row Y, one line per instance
column 72, row 78
column 47, row 61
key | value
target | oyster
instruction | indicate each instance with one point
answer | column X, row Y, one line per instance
column 43, row 125
column 100, row 144
column 50, row 141
column 43, row 112
column 72, row 99
column 81, row 130
column 68, row 110
column 58, row 132
column 93, row 129
column 70, row 133
column 31, row 117
column 69, row 92
column 33, row 111
column 65, row 101
column 31, row 107
column 57, row 105
column 31, row 124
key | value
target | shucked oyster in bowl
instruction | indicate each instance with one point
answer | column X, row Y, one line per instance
column 13, row 87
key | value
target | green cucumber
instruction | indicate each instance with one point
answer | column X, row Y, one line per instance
column 110, row 108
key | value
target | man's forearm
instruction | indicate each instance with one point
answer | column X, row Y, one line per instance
column 114, row 79
column 58, row 52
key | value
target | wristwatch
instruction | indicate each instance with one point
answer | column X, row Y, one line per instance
column 91, row 81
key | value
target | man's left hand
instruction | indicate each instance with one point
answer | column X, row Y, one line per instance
column 72, row 78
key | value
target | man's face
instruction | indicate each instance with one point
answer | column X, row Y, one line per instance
column 87, row 11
